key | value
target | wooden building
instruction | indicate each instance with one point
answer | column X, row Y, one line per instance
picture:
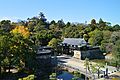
column 79, row 48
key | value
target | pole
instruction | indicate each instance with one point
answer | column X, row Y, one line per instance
column 86, row 73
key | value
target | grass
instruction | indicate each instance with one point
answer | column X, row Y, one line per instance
column 103, row 61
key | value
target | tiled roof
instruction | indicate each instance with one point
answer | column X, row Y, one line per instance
column 75, row 41
column 44, row 50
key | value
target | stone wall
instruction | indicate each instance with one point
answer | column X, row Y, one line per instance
column 91, row 54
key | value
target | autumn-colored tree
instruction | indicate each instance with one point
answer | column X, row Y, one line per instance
column 21, row 30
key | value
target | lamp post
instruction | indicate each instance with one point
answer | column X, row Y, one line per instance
column 106, row 66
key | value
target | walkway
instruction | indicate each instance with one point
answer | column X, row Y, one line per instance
column 78, row 65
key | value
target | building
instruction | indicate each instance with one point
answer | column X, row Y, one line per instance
column 90, row 52
column 44, row 52
column 70, row 44
column 79, row 48
column 75, row 42
column 45, row 59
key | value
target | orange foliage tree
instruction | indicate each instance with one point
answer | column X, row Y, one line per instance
column 21, row 30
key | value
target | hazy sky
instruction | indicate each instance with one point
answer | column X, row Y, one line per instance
column 68, row 10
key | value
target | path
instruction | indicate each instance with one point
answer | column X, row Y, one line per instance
column 79, row 64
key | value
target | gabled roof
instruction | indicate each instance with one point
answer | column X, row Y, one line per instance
column 74, row 41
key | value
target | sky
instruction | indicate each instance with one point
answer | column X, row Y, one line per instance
column 68, row 10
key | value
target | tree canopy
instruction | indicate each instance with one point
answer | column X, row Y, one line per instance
column 19, row 39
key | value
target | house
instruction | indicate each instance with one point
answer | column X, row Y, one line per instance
column 79, row 48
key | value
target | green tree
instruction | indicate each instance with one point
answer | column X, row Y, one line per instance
column 115, row 36
column 95, row 37
column 98, row 68
column 86, row 37
column 53, row 76
column 102, row 24
column 24, row 51
column 93, row 22
column 87, row 66
column 116, row 52
column 76, row 75
column 106, row 45
column 30, row 77
column 43, row 37
column 53, row 43
column 5, row 51
column 116, row 27
column 60, row 23
column 5, row 25
column 17, row 51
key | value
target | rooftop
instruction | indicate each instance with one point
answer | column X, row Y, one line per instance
column 44, row 50
column 75, row 41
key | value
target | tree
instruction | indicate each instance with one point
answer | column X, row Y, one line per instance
column 115, row 36
column 93, row 22
column 87, row 64
column 71, row 32
column 53, row 22
column 95, row 37
column 98, row 67
column 76, row 75
column 5, row 25
column 86, row 37
column 23, row 51
column 53, row 76
column 68, row 24
column 93, row 70
column 89, row 67
column 102, row 24
column 106, row 45
column 60, row 23
column 42, row 17
column 29, row 77
column 53, row 43
column 17, row 50
column 22, row 23
column 42, row 37
column 52, row 26
column 5, row 51
column 21, row 30
column 116, row 27
column 116, row 52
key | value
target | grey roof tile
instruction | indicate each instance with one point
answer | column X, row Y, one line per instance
column 75, row 41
